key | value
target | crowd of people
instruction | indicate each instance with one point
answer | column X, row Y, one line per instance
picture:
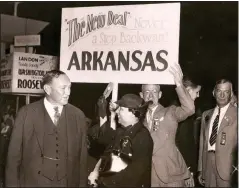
column 137, row 142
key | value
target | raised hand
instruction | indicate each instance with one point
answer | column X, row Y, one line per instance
column 177, row 73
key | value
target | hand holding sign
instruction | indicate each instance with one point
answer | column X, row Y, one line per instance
column 177, row 73
column 113, row 107
column 108, row 90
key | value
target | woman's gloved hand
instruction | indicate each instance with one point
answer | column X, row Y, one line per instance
column 102, row 105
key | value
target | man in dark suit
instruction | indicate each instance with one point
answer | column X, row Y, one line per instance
column 48, row 143
column 6, row 130
column 131, row 141
column 218, row 139
column 187, row 135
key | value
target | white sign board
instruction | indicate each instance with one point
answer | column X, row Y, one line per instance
column 27, row 40
column 27, row 72
column 6, row 74
column 123, row 44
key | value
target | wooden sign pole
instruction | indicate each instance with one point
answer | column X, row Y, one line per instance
column 17, row 104
column 114, row 99
column 28, row 99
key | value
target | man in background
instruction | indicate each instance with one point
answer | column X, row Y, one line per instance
column 218, row 139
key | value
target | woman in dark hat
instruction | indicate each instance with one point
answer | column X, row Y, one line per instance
column 126, row 162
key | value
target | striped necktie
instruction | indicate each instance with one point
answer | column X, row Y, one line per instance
column 213, row 136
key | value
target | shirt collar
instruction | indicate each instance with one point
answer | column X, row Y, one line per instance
column 223, row 109
column 154, row 108
column 50, row 106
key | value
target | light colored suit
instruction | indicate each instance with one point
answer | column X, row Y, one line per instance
column 168, row 165
column 224, row 153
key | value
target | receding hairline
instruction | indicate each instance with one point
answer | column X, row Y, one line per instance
column 51, row 75
column 144, row 85
column 227, row 82
column 224, row 81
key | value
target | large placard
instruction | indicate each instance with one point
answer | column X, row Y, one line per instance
column 122, row 44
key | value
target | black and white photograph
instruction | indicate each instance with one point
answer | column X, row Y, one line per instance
column 119, row 94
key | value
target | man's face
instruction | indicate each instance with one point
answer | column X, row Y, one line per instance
column 124, row 116
column 223, row 94
column 194, row 92
column 59, row 90
column 151, row 92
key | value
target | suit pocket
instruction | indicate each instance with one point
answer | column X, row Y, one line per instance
column 160, row 168
column 176, row 163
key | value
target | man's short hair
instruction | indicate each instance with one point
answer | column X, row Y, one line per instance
column 48, row 77
column 187, row 82
column 223, row 81
column 143, row 85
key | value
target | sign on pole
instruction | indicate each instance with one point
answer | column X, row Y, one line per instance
column 6, row 74
column 27, row 40
column 122, row 44
column 23, row 72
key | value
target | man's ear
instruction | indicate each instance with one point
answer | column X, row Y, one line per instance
column 213, row 93
column 141, row 95
column 232, row 93
column 160, row 94
column 189, row 90
column 47, row 89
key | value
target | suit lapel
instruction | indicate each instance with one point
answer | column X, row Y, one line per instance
column 158, row 115
column 158, row 112
column 208, row 120
column 226, row 119
column 71, row 127
column 39, row 124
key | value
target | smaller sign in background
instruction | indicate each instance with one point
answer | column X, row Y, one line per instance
column 27, row 71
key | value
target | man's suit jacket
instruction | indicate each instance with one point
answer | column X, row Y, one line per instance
column 224, row 153
column 168, row 164
column 185, row 141
column 24, row 159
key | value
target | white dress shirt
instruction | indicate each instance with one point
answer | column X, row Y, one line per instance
column 222, row 113
column 148, row 116
column 50, row 108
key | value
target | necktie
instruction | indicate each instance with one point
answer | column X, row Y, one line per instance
column 56, row 115
column 213, row 136
column 150, row 118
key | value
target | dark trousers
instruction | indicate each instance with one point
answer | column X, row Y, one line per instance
column 212, row 178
